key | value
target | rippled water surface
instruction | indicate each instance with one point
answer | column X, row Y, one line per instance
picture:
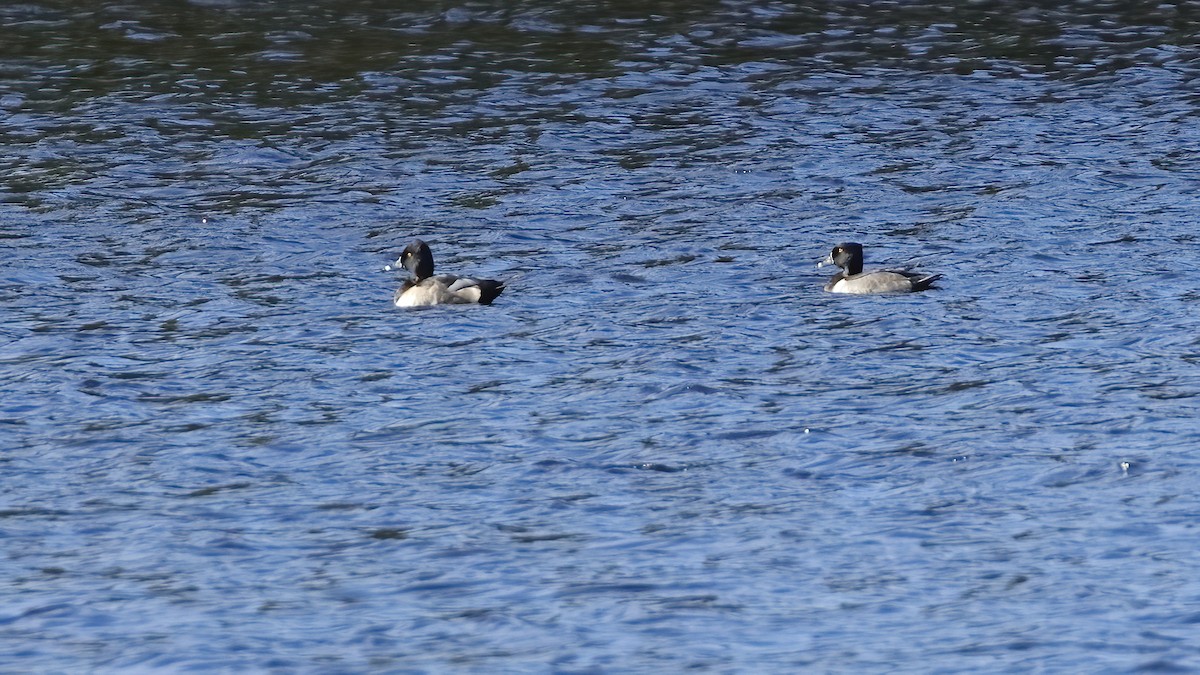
column 664, row 446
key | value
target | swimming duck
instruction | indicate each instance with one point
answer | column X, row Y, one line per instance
column 425, row 289
column 849, row 257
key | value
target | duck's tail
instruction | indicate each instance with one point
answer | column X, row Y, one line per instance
column 488, row 290
column 925, row 282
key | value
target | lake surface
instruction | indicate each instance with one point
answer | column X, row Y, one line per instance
column 664, row 447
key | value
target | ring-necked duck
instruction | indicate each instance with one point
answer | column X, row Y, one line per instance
column 426, row 289
column 849, row 257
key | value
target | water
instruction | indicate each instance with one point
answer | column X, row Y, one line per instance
column 664, row 447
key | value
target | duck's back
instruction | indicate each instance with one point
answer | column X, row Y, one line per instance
column 879, row 282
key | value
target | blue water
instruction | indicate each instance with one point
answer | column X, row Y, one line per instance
column 664, row 447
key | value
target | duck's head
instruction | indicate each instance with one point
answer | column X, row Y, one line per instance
column 418, row 259
column 848, row 256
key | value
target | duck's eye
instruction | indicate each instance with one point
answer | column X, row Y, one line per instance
column 837, row 250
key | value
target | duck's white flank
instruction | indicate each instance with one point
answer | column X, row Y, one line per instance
column 440, row 291
column 873, row 282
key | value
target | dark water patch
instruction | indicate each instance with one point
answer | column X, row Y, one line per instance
column 30, row 513
column 209, row 491
column 389, row 533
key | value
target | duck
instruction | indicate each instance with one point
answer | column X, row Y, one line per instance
column 425, row 289
column 852, row 279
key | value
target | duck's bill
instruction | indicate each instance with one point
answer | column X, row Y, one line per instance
column 827, row 261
